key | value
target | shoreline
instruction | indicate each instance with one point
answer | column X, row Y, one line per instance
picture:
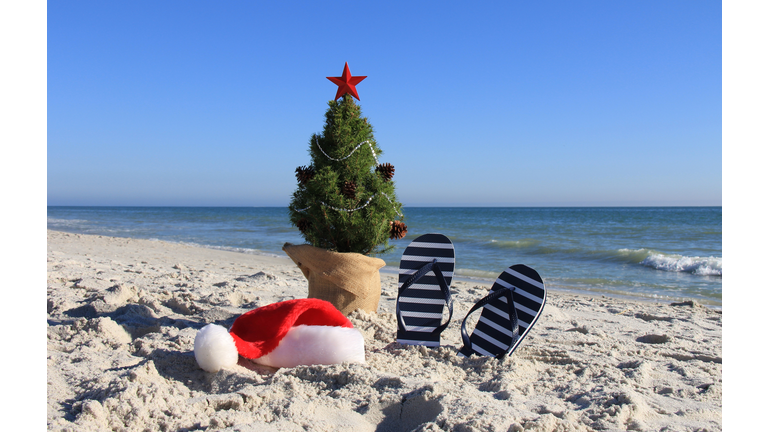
column 123, row 314
column 392, row 270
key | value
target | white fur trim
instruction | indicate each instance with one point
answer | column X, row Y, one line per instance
column 316, row 345
column 214, row 348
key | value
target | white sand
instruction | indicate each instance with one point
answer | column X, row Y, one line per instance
column 123, row 314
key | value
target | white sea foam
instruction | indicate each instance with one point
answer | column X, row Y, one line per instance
column 234, row 249
column 707, row 266
column 514, row 244
column 66, row 222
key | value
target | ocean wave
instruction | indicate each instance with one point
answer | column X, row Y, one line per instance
column 66, row 222
column 476, row 274
column 634, row 256
column 704, row 266
column 514, row 244
column 242, row 250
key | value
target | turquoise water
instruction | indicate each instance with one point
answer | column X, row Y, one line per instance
column 664, row 253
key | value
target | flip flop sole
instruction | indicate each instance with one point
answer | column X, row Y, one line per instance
column 421, row 305
column 492, row 335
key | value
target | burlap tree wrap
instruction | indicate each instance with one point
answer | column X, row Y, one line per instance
column 349, row 281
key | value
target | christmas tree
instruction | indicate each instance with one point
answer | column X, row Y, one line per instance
column 345, row 200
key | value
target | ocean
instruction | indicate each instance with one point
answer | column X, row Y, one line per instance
column 652, row 253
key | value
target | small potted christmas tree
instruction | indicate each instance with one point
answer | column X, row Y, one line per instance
column 345, row 207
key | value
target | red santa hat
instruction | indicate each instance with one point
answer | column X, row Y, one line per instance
column 283, row 334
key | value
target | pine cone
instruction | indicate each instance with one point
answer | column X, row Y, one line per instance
column 386, row 170
column 397, row 230
column 303, row 224
column 304, row 174
column 348, row 189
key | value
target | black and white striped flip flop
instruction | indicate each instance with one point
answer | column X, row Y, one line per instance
column 500, row 328
column 426, row 270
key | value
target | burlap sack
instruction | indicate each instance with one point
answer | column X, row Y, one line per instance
column 348, row 280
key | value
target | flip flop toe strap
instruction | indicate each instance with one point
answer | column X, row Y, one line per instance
column 494, row 295
column 426, row 268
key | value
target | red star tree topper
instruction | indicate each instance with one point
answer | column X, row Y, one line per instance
column 347, row 83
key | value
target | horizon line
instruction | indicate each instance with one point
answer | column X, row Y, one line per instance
column 404, row 206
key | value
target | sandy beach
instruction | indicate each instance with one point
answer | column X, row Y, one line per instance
column 123, row 315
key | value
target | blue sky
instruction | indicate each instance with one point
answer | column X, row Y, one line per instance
column 500, row 104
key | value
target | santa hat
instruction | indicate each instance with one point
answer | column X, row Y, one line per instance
column 284, row 334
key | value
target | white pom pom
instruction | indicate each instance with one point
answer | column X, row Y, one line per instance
column 214, row 348
column 316, row 345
